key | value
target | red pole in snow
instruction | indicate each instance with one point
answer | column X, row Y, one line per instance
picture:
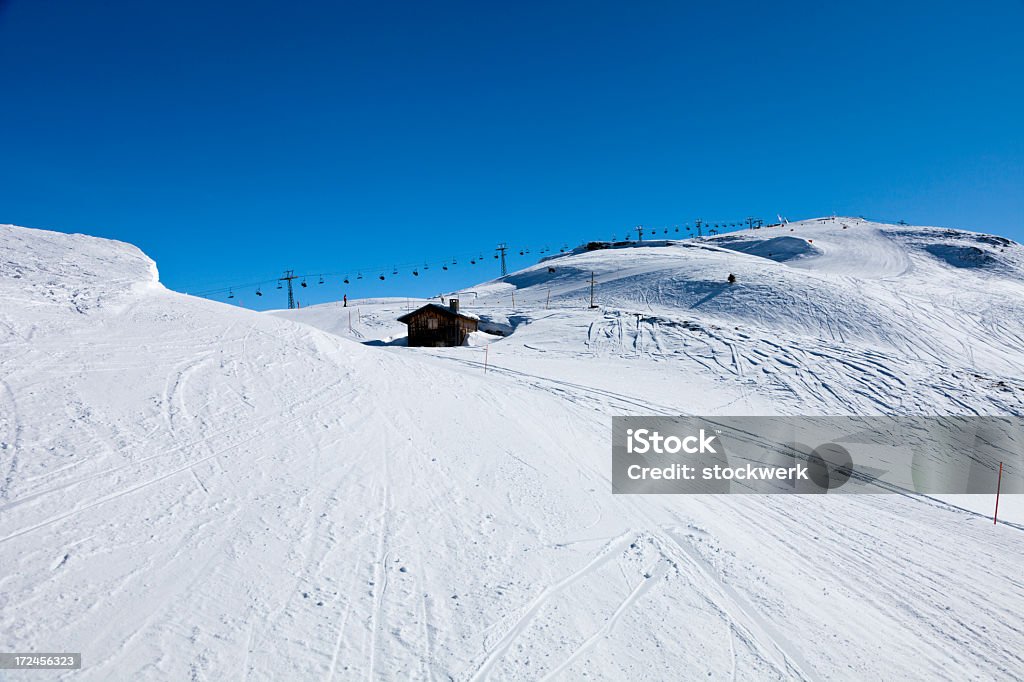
column 999, row 483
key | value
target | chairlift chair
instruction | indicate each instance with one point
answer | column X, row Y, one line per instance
column 258, row 292
column 231, row 293
column 303, row 283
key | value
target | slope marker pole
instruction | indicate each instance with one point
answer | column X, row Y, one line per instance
column 486, row 348
column 999, row 483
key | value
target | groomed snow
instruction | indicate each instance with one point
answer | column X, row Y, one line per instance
column 189, row 489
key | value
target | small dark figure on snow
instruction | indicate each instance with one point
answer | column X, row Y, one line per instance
column 732, row 278
column 344, row 300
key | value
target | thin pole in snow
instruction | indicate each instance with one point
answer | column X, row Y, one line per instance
column 592, row 290
column 486, row 348
column 350, row 320
column 513, row 298
column 548, row 304
column 999, row 483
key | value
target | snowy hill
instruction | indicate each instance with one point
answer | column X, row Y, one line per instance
column 189, row 489
column 826, row 317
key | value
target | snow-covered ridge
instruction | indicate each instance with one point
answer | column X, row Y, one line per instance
column 72, row 270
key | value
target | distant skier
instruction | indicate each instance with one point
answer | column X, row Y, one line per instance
column 344, row 300
column 732, row 278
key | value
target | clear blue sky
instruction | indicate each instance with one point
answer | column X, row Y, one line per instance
column 231, row 140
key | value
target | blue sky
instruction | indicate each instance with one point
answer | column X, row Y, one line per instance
column 232, row 140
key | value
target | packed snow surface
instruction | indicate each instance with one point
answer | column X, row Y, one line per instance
column 194, row 490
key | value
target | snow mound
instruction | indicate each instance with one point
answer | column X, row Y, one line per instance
column 778, row 249
column 70, row 271
column 480, row 339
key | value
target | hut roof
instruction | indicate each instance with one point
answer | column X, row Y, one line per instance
column 439, row 309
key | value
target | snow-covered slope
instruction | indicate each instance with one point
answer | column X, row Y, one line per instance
column 194, row 490
column 827, row 316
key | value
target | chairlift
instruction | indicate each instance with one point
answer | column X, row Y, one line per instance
column 454, row 262
column 346, row 279
column 303, row 283
column 321, row 279
column 395, row 271
column 472, row 262
column 279, row 285
column 382, row 278
column 444, row 267
column 258, row 292
column 415, row 273
column 231, row 293
column 495, row 256
column 359, row 276
column 520, row 253
column 426, row 266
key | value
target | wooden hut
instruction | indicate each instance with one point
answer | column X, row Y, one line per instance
column 437, row 325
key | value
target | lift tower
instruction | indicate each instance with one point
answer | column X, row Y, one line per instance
column 502, row 248
column 289, row 275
